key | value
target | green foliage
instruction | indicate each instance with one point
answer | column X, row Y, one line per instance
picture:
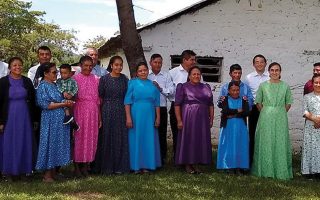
column 96, row 42
column 23, row 31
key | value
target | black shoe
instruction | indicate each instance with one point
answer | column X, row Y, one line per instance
column 75, row 126
column 67, row 119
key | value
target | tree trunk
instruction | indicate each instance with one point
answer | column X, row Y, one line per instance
column 131, row 40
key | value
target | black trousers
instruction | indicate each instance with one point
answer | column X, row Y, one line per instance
column 163, row 133
column 253, row 119
column 174, row 128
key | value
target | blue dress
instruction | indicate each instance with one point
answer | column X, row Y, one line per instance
column 18, row 134
column 144, row 150
column 54, row 146
column 233, row 149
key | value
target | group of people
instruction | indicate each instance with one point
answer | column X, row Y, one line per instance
column 107, row 124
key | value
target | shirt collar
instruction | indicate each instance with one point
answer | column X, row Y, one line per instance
column 265, row 73
column 151, row 72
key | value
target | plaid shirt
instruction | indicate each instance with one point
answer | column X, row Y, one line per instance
column 69, row 85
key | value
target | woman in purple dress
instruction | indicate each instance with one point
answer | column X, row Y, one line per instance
column 17, row 103
column 194, row 111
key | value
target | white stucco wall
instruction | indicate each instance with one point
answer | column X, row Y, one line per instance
column 280, row 30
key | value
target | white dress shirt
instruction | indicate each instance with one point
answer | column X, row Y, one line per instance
column 3, row 69
column 254, row 80
column 178, row 75
column 165, row 83
column 32, row 72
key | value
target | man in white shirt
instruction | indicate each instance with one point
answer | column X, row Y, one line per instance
column 44, row 55
column 97, row 69
column 3, row 69
column 163, row 82
column 179, row 75
column 254, row 80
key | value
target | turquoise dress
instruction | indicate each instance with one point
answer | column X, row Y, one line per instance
column 233, row 148
column 54, row 145
column 144, row 149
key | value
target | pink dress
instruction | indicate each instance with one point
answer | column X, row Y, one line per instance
column 86, row 115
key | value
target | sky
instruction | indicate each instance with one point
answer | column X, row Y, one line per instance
column 91, row 18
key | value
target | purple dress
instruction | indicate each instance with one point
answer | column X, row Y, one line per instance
column 194, row 140
column 17, row 136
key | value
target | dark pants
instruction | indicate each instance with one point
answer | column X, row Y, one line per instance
column 174, row 128
column 163, row 133
column 253, row 119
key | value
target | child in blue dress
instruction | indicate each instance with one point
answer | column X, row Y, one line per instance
column 233, row 149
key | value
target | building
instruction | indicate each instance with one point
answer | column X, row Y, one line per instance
column 224, row 32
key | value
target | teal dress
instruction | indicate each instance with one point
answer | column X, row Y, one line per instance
column 144, row 151
column 272, row 151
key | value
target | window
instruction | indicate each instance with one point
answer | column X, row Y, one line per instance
column 210, row 66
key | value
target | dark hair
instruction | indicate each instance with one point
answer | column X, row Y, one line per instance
column 233, row 83
column 45, row 48
column 154, row 56
column 85, row 58
column 140, row 64
column 112, row 60
column 273, row 64
column 316, row 64
column 191, row 69
column 259, row 56
column 43, row 68
column 13, row 59
column 186, row 54
column 65, row 66
column 315, row 76
column 234, row 67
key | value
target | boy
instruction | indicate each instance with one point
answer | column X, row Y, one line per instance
column 68, row 87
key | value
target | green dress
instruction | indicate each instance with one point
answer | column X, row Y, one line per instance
column 272, row 150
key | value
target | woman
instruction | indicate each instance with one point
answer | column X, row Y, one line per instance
column 142, row 105
column 310, row 163
column 87, row 115
column 194, row 112
column 113, row 151
column 233, row 149
column 54, row 146
column 17, row 103
column 272, row 152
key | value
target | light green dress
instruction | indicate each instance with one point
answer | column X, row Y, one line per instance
column 272, row 150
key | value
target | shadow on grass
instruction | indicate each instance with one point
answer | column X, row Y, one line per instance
column 167, row 183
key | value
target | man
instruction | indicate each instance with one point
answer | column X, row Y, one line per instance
column 44, row 55
column 235, row 73
column 97, row 69
column 308, row 86
column 3, row 69
column 254, row 80
column 179, row 75
column 163, row 82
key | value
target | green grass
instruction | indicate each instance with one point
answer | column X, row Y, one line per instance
column 167, row 183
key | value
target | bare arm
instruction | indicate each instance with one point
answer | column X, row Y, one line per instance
column 259, row 106
column 211, row 115
column 157, row 122
column 288, row 106
column 128, row 116
column 66, row 103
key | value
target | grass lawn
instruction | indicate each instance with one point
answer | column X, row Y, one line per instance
column 167, row 183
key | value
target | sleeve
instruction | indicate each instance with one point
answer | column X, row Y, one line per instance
column 128, row 99
column 59, row 85
column 2, row 94
column 101, row 87
column 259, row 95
column 289, row 99
column 245, row 108
column 169, row 87
column 305, row 104
column 179, row 98
column 74, row 87
column 157, row 97
column 225, row 108
column 210, row 102
column 43, row 99
column 223, row 92
column 250, row 97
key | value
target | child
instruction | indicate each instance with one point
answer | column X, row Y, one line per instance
column 233, row 149
column 68, row 87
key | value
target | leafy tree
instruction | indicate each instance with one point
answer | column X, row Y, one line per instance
column 23, row 31
column 96, row 42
